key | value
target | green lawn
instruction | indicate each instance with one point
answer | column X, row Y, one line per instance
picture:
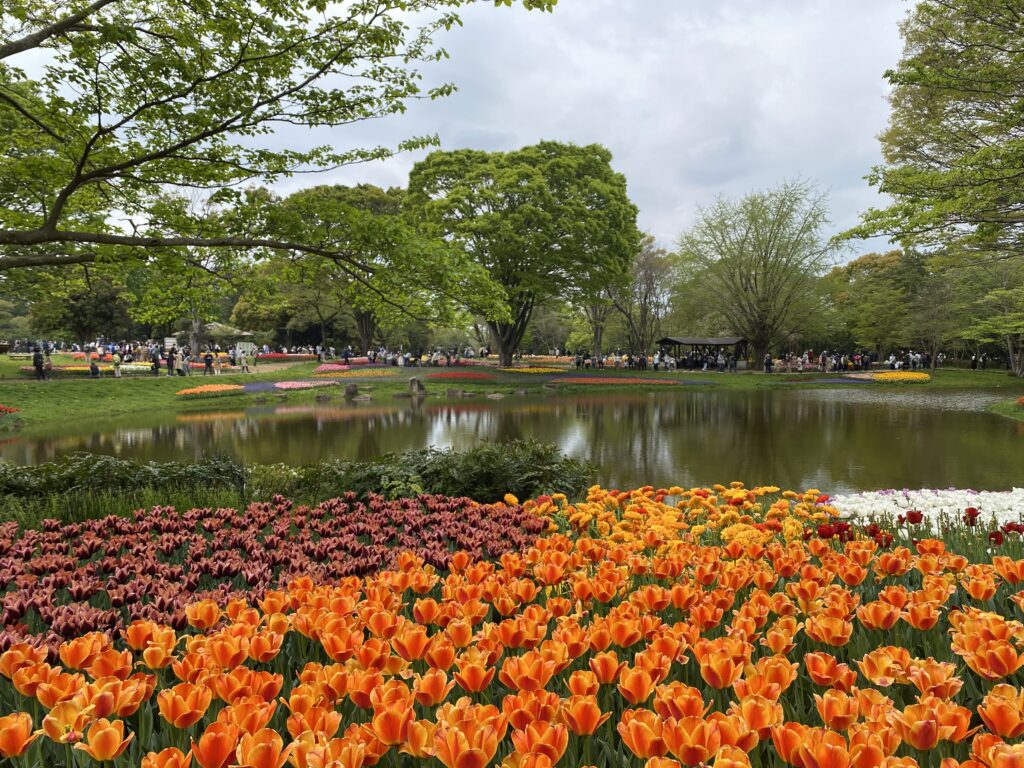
column 82, row 400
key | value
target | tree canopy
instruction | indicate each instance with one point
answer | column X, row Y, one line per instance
column 135, row 100
column 758, row 260
column 954, row 147
column 541, row 221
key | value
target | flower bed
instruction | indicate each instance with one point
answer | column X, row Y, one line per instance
column 532, row 370
column 707, row 631
column 901, row 377
column 271, row 357
column 69, row 579
column 63, row 371
column 211, row 390
column 611, row 380
column 294, row 385
column 7, row 410
column 933, row 505
column 461, row 376
column 359, row 373
column 332, row 368
column 1020, row 401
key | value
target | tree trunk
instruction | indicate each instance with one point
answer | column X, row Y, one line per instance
column 366, row 327
column 1016, row 357
column 760, row 348
column 509, row 335
column 598, row 336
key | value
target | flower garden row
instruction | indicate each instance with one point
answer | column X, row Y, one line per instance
column 724, row 626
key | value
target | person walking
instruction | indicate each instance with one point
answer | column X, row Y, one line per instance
column 243, row 361
column 208, row 363
column 117, row 364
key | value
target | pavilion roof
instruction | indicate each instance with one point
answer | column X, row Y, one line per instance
column 701, row 341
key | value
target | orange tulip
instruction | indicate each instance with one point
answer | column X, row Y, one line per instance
column 78, row 653
column 184, row 705
column 317, row 719
column 457, row 749
column 837, row 710
column 529, row 672
column 679, row 700
column 419, row 739
column 642, row 731
column 203, row 614
column 583, row 683
column 390, row 721
column 542, row 738
column 1003, row 711
column 432, row 687
column 636, row 685
column 105, row 740
column 16, row 734
column 719, row 669
column 526, row 707
column 760, row 714
column 919, row 726
column 171, row 757
column 788, row 738
column 66, row 722
column 248, row 714
column 20, row 655
column 606, row 667
column 216, row 746
column 731, row 757
column 583, row 715
column 473, row 674
column 692, row 740
column 878, row 614
column 263, row 749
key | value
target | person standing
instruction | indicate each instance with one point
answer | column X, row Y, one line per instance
column 768, row 362
column 37, row 363
column 208, row 363
column 243, row 361
column 117, row 364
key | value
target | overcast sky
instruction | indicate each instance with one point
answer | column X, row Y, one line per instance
column 694, row 98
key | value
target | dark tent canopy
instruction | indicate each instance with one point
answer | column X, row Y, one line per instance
column 705, row 345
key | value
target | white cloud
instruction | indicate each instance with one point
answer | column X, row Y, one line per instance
column 693, row 98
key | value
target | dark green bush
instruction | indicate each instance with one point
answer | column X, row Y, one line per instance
column 525, row 468
column 89, row 485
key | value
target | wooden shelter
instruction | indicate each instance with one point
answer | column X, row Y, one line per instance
column 705, row 345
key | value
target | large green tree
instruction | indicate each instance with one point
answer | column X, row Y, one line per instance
column 542, row 221
column 106, row 105
column 759, row 259
column 954, row 147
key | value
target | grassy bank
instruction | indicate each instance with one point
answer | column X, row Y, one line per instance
column 82, row 402
column 1008, row 408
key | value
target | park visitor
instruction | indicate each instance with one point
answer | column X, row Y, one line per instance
column 243, row 361
column 208, row 364
column 117, row 364
column 37, row 363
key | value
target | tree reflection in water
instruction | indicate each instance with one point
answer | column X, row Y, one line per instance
column 838, row 440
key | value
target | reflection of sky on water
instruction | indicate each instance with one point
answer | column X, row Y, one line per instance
column 836, row 440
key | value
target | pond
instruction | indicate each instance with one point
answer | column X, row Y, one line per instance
column 839, row 440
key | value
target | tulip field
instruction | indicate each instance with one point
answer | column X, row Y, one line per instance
column 723, row 626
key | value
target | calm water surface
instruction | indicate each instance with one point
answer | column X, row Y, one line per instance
column 853, row 438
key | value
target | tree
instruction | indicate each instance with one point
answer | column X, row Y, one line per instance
column 541, row 221
column 136, row 98
column 645, row 300
column 759, row 258
column 405, row 271
column 954, row 155
column 84, row 303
